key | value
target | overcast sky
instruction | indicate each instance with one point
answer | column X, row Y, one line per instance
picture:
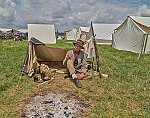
column 66, row 14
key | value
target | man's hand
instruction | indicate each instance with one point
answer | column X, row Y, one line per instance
column 81, row 76
column 69, row 56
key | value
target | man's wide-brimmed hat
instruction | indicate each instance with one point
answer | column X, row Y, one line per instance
column 80, row 42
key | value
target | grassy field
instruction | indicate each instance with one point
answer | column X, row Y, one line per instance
column 125, row 93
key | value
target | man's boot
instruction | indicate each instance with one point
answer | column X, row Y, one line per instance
column 77, row 83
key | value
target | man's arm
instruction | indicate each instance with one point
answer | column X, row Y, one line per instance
column 68, row 56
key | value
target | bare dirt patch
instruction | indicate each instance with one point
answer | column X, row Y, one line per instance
column 58, row 104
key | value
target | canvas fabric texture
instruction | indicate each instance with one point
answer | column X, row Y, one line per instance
column 132, row 35
column 50, row 53
column 82, row 33
column 148, row 45
column 43, row 32
column 71, row 35
column 89, row 48
column 104, row 31
column 32, row 60
column 39, row 53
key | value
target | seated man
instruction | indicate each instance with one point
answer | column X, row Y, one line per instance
column 76, row 63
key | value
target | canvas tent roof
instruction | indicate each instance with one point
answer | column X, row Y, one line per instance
column 142, row 20
column 20, row 30
column 71, row 34
column 37, row 52
column 43, row 32
column 82, row 33
column 104, row 31
column 85, row 29
column 23, row 30
column 133, row 35
column 4, row 29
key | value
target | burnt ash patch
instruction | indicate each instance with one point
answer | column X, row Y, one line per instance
column 54, row 105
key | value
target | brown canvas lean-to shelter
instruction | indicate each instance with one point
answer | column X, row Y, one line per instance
column 38, row 53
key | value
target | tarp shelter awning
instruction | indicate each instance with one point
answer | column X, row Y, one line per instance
column 50, row 53
column 133, row 35
column 43, row 32
column 37, row 52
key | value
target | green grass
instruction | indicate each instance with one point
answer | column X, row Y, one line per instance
column 125, row 93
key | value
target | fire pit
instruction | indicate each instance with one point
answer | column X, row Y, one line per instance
column 54, row 105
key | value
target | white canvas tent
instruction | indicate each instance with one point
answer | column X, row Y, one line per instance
column 43, row 32
column 71, row 34
column 82, row 33
column 4, row 29
column 23, row 30
column 133, row 35
column 104, row 33
column 20, row 30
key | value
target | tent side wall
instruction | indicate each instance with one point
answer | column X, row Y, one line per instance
column 129, row 37
column 71, row 35
column 78, row 36
column 84, row 32
column 50, row 53
column 104, row 33
column 147, row 50
column 83, row 37
column 103, row 41
column 43, row 32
